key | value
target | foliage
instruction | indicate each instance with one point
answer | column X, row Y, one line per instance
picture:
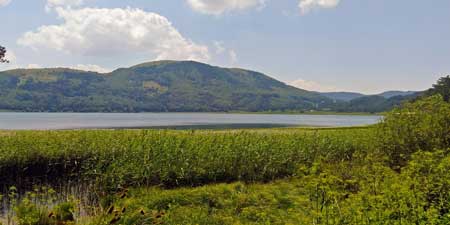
column 393, row 173
column 421, row 125
column 442, row 87
column 374, row 103
column 153, row 87
column 3, row 55
column 169, row 86
column 340, row 193
column 40, row 207
column 114, row 159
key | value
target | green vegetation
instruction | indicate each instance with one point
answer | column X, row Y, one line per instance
column 395, row 172
column 168, row 86
column 342, row 193
column 349, row 96
column 401, row 177
column 442, row 87
column 375, row 103
column 152, row 87
column 171, row 158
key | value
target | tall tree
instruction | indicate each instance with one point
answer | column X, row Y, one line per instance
column 3, row 55
column 442, row 87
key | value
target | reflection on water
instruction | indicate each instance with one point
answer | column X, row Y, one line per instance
column 55, row 121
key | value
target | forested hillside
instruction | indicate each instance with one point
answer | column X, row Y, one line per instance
column 173, row 86
column 157, row 87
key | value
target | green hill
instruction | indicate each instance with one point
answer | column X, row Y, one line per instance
column 342, row 96
column 375, row 103
column 349, row 96
column 163, row 86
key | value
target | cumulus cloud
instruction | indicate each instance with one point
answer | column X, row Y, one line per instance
column 312, row 86
column 308, row 5
column 4, row 2
column 217, row 7
column 55, row 3
column 105, row 32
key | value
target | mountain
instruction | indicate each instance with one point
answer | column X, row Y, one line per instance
column 356, row 102
column 163, row 86
column 348, row 96
column 390, row 94
column 375, row 103
column 342, row 96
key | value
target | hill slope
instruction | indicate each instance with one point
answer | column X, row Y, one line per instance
column 342, row 96
column 390, row 94
column 349, row 96
column 152, row 87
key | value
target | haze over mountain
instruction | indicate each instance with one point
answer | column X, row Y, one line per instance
column 348, row 96
column 342, row 96
column 162, row 86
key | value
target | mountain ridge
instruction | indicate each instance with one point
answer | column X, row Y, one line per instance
column 160, row 86
column 348, row 96
column 167, row 86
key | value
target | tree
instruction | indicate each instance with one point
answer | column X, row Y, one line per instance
column 3, row 55
column 442, row 87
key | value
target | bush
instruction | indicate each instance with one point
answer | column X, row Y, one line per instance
column 421, row 125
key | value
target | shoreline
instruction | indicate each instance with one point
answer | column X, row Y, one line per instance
column 319, row 113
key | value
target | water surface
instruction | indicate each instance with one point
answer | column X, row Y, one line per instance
column 57, row 121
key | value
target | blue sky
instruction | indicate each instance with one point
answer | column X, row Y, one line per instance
column 328, row 45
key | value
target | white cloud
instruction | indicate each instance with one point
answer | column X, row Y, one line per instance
column 14, row 64
column 11, row 57
column 308, row 5
column 312, row 86
column 106, row 32
column 217, row 7
column 55, row 3
column 4, row 2
column 33, row 66
column 91, row 68
column 233, row 57
column 219, row 47
column 223, row 51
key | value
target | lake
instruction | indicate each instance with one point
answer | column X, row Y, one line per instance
column 58, row 121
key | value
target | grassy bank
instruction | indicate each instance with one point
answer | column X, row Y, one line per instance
column 342, row 193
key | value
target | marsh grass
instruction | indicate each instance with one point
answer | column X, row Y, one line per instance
column 114, row 159
column 392, row 173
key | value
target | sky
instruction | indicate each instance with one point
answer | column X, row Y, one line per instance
column 367, row 46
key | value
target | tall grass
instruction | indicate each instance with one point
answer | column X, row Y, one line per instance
column 115, row 159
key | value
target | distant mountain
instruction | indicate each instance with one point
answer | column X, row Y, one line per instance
column 348, row 96
column 163, row 86
column 342, row 96
column 374, row 103
column 390, row 94
column 356, row 102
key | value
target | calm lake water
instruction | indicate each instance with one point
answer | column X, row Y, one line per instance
column 55, row 121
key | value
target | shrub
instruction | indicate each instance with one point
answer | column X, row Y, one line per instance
column 421, row 125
